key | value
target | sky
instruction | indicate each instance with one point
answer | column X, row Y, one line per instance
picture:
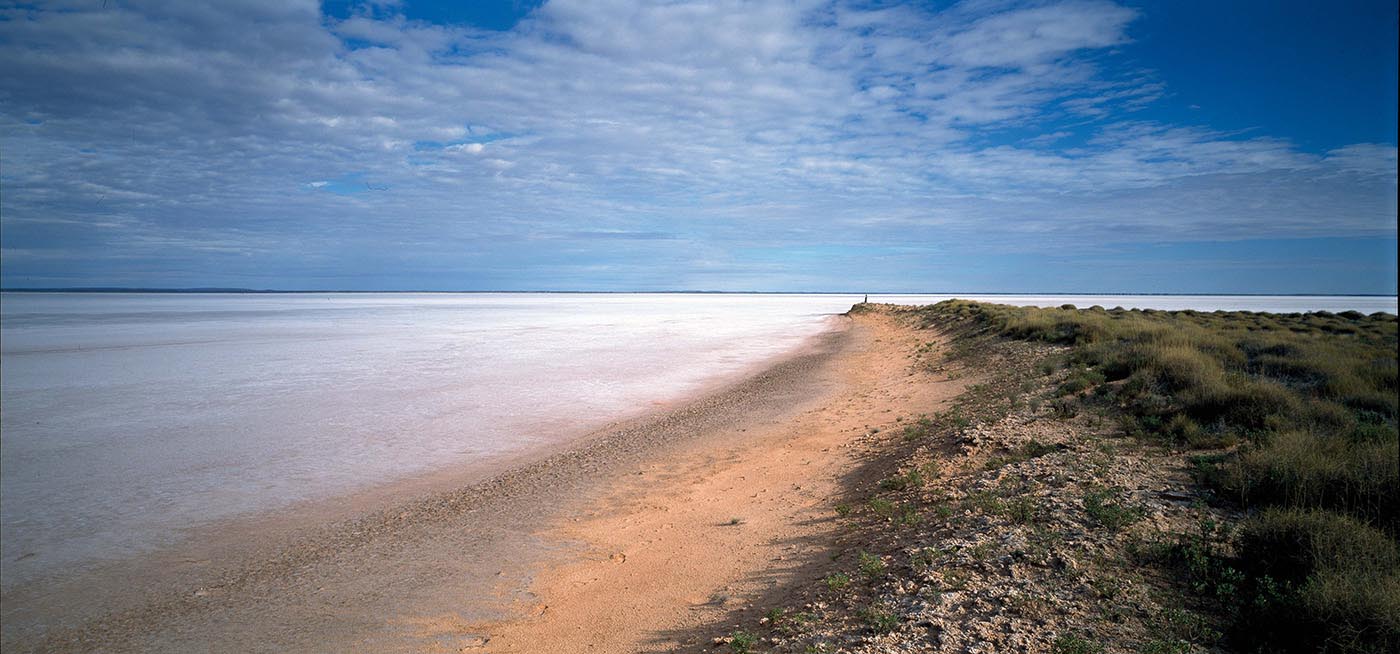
column 1087, row 146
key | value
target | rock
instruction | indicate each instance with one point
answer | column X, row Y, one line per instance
column 473, row 641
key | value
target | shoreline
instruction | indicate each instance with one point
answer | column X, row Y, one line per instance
column 704, row 539
column 256, row 291
column 535, row 487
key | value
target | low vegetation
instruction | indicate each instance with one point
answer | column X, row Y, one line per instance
column 1119, row 482
column 1295, row 415
column 742, row 642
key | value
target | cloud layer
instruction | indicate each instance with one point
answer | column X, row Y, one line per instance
column 613, row 144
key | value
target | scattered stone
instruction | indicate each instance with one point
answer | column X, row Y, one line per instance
column 473, row 641
column 1005, row 557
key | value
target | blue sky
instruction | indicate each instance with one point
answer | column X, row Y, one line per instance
column 982, row 146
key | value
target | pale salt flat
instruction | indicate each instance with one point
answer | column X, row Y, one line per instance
column 129, row 419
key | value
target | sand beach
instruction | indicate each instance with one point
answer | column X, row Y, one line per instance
column 634, row 538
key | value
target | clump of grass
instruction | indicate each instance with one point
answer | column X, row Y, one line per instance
column 1079, row 380
column 1318, row 580
column 1184, row 431
column 908, row 515
column 956, row 420
column 1072, row 644
column 843, row 509
column 985, row 502
column 921, row 429
column 1181, row 627
column 923, row 559
column 837, row 580
column 1034, row 449
column 742, row 642
column 1109, row 513
column 881, row 507
column 1064, row 408
column 1165, row 646
column 1297, row 468
column 1295, row 580
column 1023, row 510
column 913, row 478
column 871, row 565
column 879, row 620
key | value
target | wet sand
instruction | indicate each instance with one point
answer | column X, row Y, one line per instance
column 642, row 537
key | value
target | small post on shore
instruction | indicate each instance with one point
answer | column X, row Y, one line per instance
column 866, row 300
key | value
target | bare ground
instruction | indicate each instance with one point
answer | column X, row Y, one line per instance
column 1018, row 519
column 700, row 540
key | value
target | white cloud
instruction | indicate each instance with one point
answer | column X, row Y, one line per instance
column 732, row 121
column 1371, row 159
column 1022, row 37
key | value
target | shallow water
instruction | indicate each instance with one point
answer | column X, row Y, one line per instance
column 129, row 419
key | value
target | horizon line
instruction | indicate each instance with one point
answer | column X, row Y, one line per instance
column 255, row 291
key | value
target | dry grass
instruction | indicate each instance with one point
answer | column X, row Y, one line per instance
column 1305, row 406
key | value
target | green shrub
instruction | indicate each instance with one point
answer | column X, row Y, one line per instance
column 911, row 479
column 742, row 642
column 1064, row 407
column 1108, row 513
column 882, row 507
column 1034, row 448
column 1079, row 380
column 1165, row 646
column 984, row 501
column 920, row 429
column 837, row 580
column 1072, row 644
column 871, row 565
column 1183, row 627
column 879, row 620
column 1023, row 510
column 1321, row 581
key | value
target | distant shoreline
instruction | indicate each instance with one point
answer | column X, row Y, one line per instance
column 255, row 291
